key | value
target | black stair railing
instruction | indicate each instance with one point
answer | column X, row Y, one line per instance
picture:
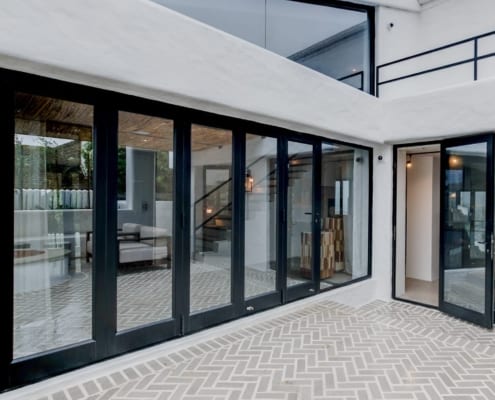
column 228, row 206
column 204, row 197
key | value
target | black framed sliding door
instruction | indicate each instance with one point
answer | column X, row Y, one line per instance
column 466, row 235
column 145, row 227
column 136, row 221
column 300, row 179
column 213, row 206
column 262, row 219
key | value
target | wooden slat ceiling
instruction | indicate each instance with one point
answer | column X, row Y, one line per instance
column 44, row 116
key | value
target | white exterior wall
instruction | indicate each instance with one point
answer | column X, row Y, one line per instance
column 180, row 61
column 381, row 225
column 439, row 23
column 465, row 109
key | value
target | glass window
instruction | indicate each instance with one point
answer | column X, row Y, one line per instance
column 145, row 225
column 344, row 214
column 330, row 40
column 53, row 200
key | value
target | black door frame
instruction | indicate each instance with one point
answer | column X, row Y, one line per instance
column 156, row 331
column 274, row 298
column 486, row 319
column 312, row 286
column 394, row 219
column 216, row 315
column 394, row 216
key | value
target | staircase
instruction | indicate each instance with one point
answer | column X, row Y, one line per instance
column 212, row 231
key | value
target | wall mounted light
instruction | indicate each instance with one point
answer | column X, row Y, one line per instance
column 455, row 162
column 249, row 182
column 409, row 161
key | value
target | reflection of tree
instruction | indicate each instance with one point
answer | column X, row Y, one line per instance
column 47, row 164
column 87, row 160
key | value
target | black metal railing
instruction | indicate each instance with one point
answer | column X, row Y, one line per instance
column 229, row 204
column 475, row 60
column 214, row 215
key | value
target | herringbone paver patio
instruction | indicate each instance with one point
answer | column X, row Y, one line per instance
column 323, row 351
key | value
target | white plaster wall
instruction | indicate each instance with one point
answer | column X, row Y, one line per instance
column 381, row 281
column 179, row 60
column 419, row 241
column 360, row 214
column 439, row 23
column 461, row 110
column 409, row 5
column 164, row 215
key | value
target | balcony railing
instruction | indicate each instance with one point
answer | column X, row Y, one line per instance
column 462, row 53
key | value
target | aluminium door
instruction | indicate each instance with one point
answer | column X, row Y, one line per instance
column 466, row 235
column 301, row 219
column 261, row 223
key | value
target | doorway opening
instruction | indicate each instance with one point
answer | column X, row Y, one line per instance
column 417, row 224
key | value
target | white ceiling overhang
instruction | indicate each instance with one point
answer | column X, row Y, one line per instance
column 141, row 48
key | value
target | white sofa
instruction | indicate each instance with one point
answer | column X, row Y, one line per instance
column 140, row 244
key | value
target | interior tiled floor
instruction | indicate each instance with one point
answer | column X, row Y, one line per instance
column 323, row 350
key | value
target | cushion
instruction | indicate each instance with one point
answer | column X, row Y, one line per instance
column 153, row 236
column 130, row 227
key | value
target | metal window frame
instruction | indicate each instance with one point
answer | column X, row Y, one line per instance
column 106, row 341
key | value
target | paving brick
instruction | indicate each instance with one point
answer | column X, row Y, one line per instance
column 324, row 351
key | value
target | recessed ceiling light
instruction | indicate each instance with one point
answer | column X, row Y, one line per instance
column 145, row 133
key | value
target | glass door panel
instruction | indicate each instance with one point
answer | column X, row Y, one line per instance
column 467, row 221
column 261, row 198
column 299, row 213
column 53, row 215
column 211, row 216
column 145, row 219
column 344, row 214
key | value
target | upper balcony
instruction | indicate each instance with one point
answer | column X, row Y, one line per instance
column 458, row 62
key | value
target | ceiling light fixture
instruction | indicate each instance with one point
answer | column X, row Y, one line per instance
column 409, row 161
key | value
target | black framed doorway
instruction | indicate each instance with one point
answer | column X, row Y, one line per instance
column 466, row 229
column 415, row 164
